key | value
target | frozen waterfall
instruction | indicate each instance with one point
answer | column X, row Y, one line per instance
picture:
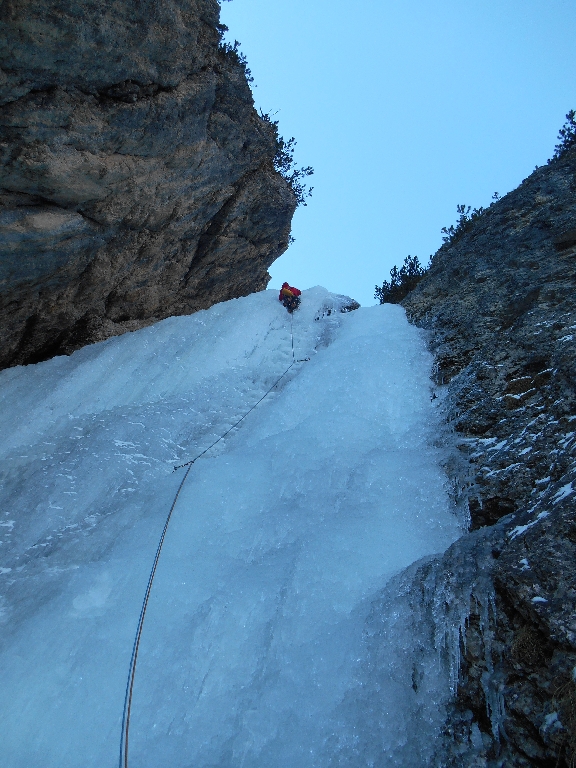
column 257, row 647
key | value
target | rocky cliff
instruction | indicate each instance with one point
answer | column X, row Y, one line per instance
column 499, row 303
column 136, row 178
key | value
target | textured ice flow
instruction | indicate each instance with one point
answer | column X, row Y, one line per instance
column 282, row 537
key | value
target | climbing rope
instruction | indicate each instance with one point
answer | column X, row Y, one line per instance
column 123, row 763
column 133, row 659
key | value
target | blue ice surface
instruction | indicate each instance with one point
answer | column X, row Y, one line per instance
column 282, row 537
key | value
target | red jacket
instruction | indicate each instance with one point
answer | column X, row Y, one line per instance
column 288, row 290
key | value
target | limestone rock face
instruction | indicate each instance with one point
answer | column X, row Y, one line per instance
column 136, row 178
column 500, row 305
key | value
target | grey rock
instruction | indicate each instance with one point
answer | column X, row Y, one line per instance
column 500, row 307
column 136, row 178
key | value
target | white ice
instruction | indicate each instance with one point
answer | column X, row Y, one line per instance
column 282, row 537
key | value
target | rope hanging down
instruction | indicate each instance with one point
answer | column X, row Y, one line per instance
column 123, row 763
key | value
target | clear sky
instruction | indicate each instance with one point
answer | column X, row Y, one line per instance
column 404, row 108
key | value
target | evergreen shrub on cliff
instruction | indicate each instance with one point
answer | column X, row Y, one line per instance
column 284, row 161
column 466, row 217
column 402, row 281
column 566, row 135
column 285, row 164
column 233, row 52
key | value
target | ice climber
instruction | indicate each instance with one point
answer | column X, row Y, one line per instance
column 290, row 297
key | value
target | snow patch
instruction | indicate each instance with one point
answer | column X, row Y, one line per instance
column 562, row 493
column 520, row 529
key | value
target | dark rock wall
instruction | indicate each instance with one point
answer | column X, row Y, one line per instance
column 500, row 305
column 136, row 178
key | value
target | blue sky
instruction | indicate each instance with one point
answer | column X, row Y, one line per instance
column 404, row 108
